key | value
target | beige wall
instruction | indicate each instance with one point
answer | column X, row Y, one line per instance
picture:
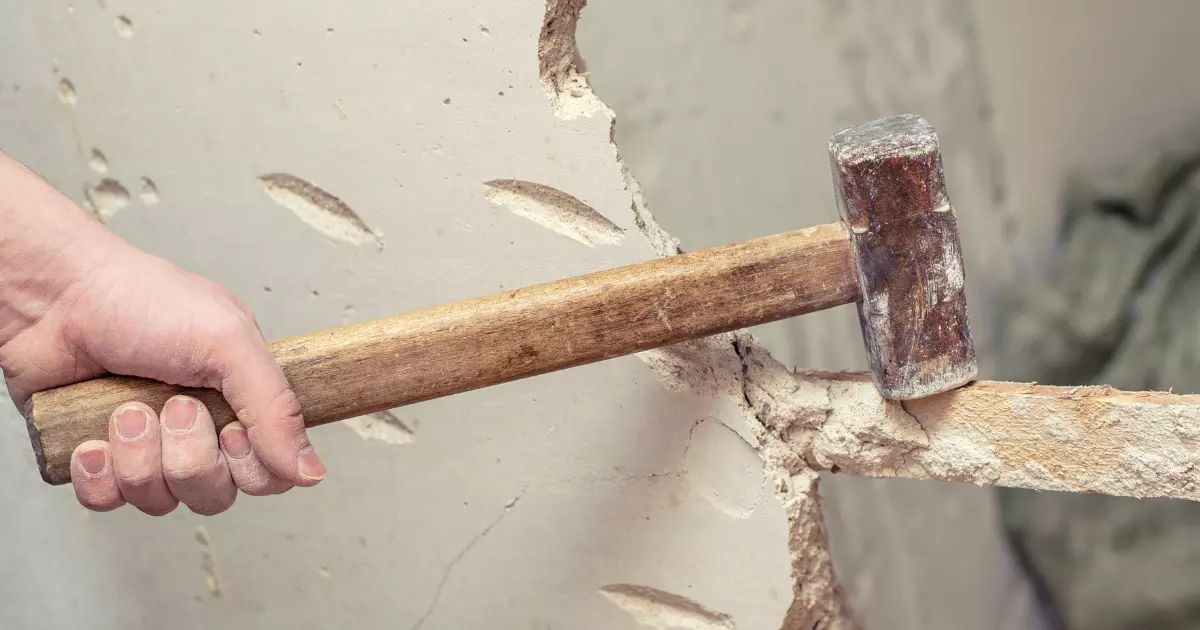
column 516, row 507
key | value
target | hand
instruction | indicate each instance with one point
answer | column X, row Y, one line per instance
column 76, row 301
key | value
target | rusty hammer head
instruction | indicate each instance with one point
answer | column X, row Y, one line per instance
column 891, row 194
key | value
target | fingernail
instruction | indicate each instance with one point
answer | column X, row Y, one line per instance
column 131, row 423
column 235, row 442
column 93, row 461
column 311, row 466
column 179, row 414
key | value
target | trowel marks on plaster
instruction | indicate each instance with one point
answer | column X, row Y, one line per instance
column 555, row 210
column 721, row 467
column 382, row 427
column 653, row 608
column 322, row 211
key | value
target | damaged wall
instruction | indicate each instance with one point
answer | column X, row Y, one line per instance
column 336, row 164
column 724, row 111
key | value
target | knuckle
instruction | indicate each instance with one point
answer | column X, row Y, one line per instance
column 190, row 473
column 139, row 481
column 262, row 484
column 283, row 411
column 286, row 407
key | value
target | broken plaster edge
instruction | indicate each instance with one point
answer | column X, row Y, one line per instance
column 819, row 600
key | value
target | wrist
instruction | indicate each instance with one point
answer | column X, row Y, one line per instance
column 48, row 248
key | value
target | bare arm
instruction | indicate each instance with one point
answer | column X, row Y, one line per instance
column 77, row 301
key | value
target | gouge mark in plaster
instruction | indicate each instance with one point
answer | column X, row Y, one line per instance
column 148, row 192
column 382, row 427
column 561, row 68
column 318, row 209
column 66, row 92
column 653, row 608
column 124, row 26
column 107, row 198
column 554, row 210
column 97, row 162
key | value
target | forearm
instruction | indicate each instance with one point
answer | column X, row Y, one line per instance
column 47, row 245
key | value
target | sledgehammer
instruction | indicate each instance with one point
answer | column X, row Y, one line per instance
column 895, row 252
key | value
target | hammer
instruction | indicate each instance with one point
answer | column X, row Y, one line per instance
column 895, row 253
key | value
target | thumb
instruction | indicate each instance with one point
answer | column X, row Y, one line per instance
column 264, row 402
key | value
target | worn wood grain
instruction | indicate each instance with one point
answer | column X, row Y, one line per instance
column 385, row 363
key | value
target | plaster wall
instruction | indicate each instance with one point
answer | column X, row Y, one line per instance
column 592, row 498
column 724, row 112
column 563, row 501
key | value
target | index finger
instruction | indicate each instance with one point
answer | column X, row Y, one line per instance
column 264, row 402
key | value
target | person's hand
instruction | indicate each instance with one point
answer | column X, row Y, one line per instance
column 76, row 301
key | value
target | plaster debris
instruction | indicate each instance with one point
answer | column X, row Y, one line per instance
column 706, row 366
column 107, row 198
column 97, row 162
column 320, row 210
column 653, row 608
column 382, row 427
column 212, row 573
column 124, row 26
column 66, row 92
column 555, row 210
column 323, row 572
column 148, row 192
column 339, row 110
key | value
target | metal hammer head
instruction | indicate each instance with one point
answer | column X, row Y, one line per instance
column 892, row 196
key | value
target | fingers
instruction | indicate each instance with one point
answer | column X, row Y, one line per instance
column 136, row 442
column 154, row 463
column 93, row 478
column 192, row 465
column 249, row 473
column 265, row 404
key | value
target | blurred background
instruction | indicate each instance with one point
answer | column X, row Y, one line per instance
column 1068, row 142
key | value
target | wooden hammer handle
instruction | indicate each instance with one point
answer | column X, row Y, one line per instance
column 377, row 365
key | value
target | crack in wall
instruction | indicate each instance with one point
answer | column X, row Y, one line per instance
column 449, row 570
